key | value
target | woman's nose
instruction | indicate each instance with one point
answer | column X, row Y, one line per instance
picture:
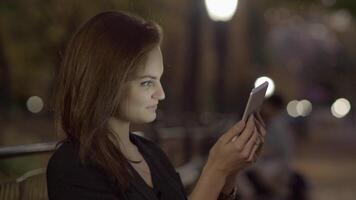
column 159, row 93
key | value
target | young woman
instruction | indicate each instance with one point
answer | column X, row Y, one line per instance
column 110, row 78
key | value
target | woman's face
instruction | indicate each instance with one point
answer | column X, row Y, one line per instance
column 143, row 91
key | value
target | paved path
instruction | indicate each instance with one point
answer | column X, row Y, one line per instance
column 328, row 158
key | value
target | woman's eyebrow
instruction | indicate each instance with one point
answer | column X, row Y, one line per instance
column 147, row 76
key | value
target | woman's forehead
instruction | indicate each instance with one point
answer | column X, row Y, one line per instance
column 153, row 64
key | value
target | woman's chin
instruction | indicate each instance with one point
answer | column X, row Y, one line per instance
column 147, row 119
column 152, row 118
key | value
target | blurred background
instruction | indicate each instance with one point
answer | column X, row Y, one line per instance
column 215, row 52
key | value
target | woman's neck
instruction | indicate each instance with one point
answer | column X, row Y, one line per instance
column 121, row 131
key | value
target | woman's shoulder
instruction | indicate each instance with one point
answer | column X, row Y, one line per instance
column 68, row 178
column 65, row 162
column 66, row 154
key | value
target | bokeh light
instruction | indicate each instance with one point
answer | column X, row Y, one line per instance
column 340, row 108
column 34, row 104
column 271, row 86
column 341, row 20
column 221, row 10
column 304, row 108
column 292, row 108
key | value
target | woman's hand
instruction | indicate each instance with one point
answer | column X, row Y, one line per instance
column 238, row 147
column 261, row 128
column 234, row 150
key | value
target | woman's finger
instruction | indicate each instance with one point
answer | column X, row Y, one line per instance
column 258, row 152
column 248, row 148
column 253, row 154
column 260, row 128
column 261, row 138
column 260, row 119
column 246, row 133
column 235, row 130
column 257, row 144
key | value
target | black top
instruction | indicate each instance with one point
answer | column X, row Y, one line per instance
column 68, row 179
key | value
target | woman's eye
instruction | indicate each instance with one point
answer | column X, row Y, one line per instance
column 147, row 83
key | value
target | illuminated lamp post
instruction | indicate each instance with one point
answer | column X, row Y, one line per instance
column 221, row 11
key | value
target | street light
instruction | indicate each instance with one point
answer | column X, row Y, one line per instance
column 221, row 10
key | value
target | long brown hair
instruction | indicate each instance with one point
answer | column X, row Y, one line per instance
column 98, row 60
